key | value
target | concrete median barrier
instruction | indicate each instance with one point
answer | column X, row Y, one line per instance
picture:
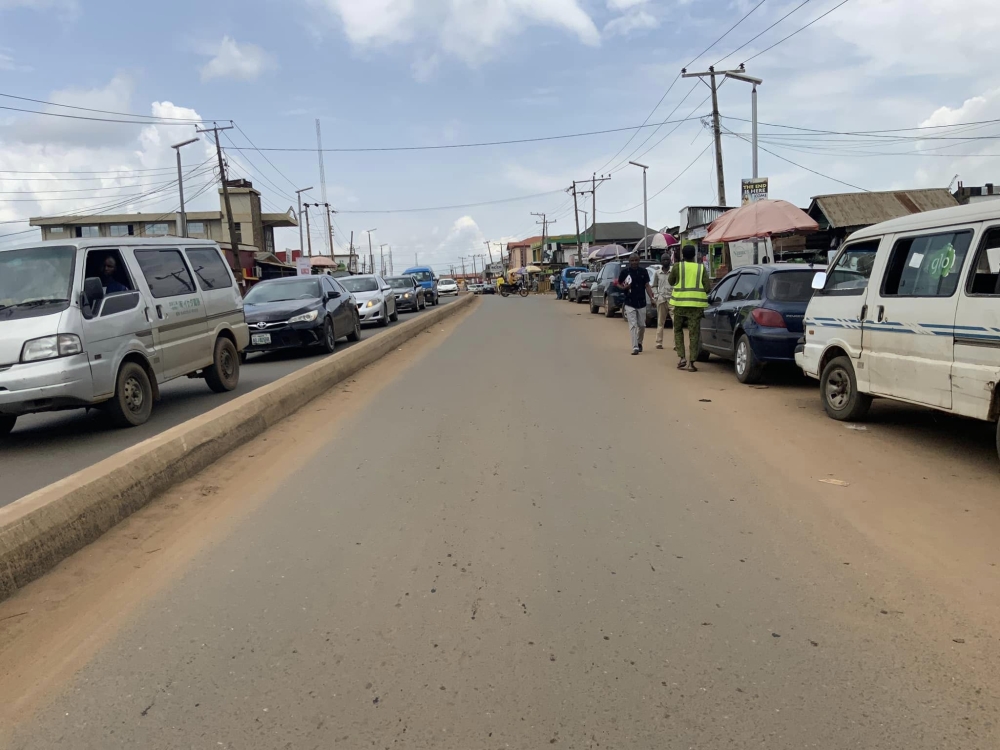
column 45, row 527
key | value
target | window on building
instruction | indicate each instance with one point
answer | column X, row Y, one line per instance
column 269, row 239
column 984, row 277
column 926, row 266
column 238, row 228
column 196, row 228
column 165, row 272
column 121, row 230
column 209, row 268
column 57, row 230
column 88, row 231
column 157, row 230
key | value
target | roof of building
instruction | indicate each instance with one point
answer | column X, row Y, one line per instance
column 628, row 231
column 525, row 243
column 863, row 209
column 274, row 220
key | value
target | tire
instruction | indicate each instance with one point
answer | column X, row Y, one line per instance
column 133, row 400
column 609, row 311
column 523, row 292
column 839, row 390
column 6, row 424
column 594, row 309
column 384, row 322
column 504, row 293
column 355, row 335
column 329, row 342
column 748, row 368
column 703, row 356
column 395, row 314
column 223, row 375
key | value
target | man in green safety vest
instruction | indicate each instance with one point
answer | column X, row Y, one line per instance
column 689, row 280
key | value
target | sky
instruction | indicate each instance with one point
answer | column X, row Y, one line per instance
column 392, row 74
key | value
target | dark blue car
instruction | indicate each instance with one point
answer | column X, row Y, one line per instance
column 755, row 316
column 564, row 279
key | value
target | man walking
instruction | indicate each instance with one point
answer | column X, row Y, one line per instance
column 689, row 299
column 635, row 281
column 663, row 291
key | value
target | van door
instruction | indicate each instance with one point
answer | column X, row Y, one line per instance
column 746, row 292
column 716, row 297
column 116, row 323
column 178, row 311
column 223, row 301
column 976, row 369
column 835, row 316
column 910, row 326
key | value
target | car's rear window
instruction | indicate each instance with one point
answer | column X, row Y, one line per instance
column 791, row 286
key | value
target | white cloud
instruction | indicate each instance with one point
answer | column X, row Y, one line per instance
column 9, row 65
column 637, row 19
column 624, row 4
column 241, row 62
column 463, row 239
column 467, row 29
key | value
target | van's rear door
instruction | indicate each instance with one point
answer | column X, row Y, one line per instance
column 976, row 369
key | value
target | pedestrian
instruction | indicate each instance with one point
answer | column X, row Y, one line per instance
column 635, row 281
column 689, row 299
column 663, row 291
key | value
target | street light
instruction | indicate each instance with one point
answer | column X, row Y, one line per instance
column 645, row 208
column 740, row 75
column 180, row 183
column 298, row 194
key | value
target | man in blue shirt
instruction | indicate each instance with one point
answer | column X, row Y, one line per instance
column 635, row 281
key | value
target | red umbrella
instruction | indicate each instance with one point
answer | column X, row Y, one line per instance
column 758, row 220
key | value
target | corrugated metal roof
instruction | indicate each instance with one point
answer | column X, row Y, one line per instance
column 865, row 209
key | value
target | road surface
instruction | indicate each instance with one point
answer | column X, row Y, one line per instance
column 513, row 534
column 47, row 447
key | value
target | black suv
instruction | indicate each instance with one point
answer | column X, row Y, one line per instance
column 605, row 294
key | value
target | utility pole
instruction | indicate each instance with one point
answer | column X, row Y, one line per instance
column 233, row 243
column 298, row 194
column 182, row 223
column 474, row 271
column 595, row 181
column 381, row 254
column 489, row 249
column 371, row 253
column 645, row 212
column 329, row 226
column 463, row 267
column 576, row 216
column 392, row 268
column 545, row 229
column 351, row 263
column 309, row 238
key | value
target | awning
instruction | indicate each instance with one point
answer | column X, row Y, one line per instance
column 758, row 221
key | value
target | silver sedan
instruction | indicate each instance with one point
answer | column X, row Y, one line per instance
column 376, row 300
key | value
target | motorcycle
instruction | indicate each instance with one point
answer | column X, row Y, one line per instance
column 508, row 289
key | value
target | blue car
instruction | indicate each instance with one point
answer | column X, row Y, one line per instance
column 426, row 277
column 755, row 316
column 564, row 279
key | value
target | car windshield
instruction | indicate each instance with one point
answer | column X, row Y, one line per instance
column 400, row 282
column 282, row 291
column 36, row 276
column 360, row 284
column 791, row 286
column 423, row 275
column 446, row 282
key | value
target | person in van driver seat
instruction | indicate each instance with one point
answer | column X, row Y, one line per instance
column 108, row 281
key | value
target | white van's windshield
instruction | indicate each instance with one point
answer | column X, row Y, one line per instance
column 35, row 278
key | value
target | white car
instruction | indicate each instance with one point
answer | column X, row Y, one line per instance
column 447, row 286
column 375, row 298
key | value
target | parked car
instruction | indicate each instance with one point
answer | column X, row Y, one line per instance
column 565, row 279
column 375, row 299
column 448, row 287
column 83, row 324
column 926, row 330
column 604, row 293
column 409, row 293
column 755, row 315
column 300, row 311
column 426, row 277
column 579, row 290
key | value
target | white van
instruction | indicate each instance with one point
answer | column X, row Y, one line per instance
column 910, row 310
column 107, row 321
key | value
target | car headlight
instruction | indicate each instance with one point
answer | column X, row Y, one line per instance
column 407, row 295
column 374, row 302
column 50, row 347
column 308, row 317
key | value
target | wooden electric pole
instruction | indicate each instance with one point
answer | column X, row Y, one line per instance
column 233, row 242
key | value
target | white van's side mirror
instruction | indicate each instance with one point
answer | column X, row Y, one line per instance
column 819, row 281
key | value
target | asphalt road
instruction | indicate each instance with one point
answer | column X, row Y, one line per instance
column 527, row 538
column 44, row 448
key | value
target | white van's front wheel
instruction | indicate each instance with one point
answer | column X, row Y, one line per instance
column 133, row 400
column 839, row 387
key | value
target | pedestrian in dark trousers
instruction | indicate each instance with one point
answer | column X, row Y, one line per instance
column 635, row 281
column 689, row 299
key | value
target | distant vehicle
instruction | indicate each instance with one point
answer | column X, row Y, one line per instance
column 910, row 310
column 409, row 293
column 579, row 290
column 564, row 279
column 755, row 315
column 375, row 298
column 474, row 288
column 300, row 311
column 447, row 287
column 426, row 277
column 604, row 293
column 83, row 324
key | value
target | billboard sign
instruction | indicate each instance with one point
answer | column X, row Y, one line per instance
column 754, row 190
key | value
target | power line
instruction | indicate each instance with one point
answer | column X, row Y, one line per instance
column 461, row 205
column 109, row 172
column 100, row 111
column 750, row 41
column 876, row 133
column 294, row 186
column 749, row 13
column 624, row 162
column 785, row 39
column 94, row 119
column 664, row 188
column 651, row 113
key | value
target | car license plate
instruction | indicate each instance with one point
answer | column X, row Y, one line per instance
column 260, row 339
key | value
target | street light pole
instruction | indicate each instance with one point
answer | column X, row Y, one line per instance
column 182, row 230
column 298, row 194
column 645, row 209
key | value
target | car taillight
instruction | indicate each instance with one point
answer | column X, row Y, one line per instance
column 768, row 318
